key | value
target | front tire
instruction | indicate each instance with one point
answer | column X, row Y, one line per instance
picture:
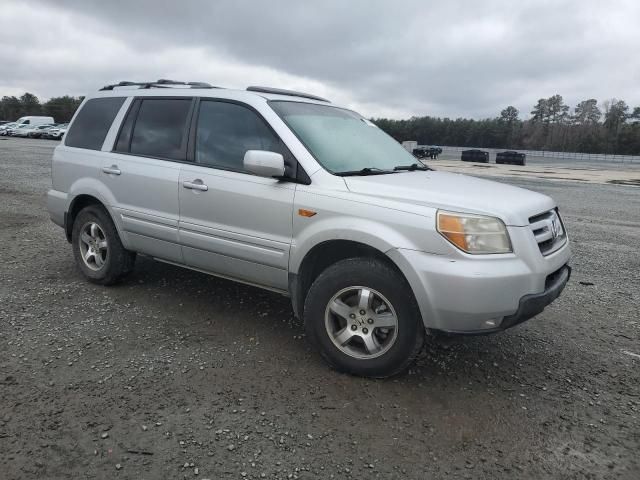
column 97, row 248
column 361, row 315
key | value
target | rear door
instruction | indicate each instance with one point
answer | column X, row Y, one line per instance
column 142, row 173
column 233, row 223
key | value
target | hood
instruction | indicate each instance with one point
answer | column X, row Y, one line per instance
column 455, row 192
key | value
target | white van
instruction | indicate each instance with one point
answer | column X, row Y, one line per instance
column 35, row 121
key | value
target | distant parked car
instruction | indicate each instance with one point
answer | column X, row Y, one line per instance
column 475, row 155
column 32, row 131
column 38, row 131
column 511, row 156
column 4, row 129
column 19, row 130
column 57, row 132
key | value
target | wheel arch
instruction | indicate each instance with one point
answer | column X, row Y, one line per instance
column 323, row 255
column 80, row 202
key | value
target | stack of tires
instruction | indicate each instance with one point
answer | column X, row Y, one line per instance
column 475, row 156
column 511, row 157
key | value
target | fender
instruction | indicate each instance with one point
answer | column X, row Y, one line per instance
column 356, row 222
column 94, row 188
column 374, row 234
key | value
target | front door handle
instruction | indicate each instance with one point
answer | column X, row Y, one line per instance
column 195, row 185
column 112, row 170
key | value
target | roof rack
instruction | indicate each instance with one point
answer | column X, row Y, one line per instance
column 161, row 83
column 280, row 91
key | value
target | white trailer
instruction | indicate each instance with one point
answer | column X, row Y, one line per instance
column 409, row 145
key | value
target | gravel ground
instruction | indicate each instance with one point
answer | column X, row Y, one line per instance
column 175, row 374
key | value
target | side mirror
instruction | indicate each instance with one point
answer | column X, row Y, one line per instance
column 263, row 163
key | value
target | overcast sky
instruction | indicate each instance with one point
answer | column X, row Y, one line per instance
column 392, row 58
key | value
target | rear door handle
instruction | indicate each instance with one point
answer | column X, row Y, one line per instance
column 195, row 185
column 112, row 170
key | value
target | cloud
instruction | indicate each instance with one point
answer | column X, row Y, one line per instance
column 382, row 58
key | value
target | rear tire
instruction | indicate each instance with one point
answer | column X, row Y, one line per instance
column 97, row 248
column 361, row 315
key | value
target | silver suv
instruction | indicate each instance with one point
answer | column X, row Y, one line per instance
column 288, row 192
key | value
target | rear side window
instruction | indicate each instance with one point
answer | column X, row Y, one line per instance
column 227, row 130
column 159, row 130
column 123, row 144
column 92, row 123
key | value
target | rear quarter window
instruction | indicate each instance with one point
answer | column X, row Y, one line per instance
column 92, row 123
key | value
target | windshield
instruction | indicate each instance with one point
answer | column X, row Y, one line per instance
column 341, row 140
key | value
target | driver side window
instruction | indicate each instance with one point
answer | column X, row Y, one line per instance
column 227, row 130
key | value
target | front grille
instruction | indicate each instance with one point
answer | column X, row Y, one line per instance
column 548, row 230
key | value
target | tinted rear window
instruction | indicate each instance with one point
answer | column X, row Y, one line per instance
column 93, row 122
column 160, row 127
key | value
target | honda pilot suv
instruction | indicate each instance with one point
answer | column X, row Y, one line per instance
column 288, row 192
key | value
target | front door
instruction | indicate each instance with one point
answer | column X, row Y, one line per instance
column 233, row 223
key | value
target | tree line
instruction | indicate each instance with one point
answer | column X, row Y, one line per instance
column 60, row 108
column 610, row 127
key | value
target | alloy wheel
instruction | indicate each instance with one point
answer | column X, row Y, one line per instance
column 361, row 322
column 93, row 246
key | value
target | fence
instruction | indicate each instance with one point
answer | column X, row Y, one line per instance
column 586, row 157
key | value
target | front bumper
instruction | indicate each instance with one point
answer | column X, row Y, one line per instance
column 532, row 305
column 482, row 295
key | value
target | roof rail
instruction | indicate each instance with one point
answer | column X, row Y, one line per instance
column 161, row 83
column 280, row 91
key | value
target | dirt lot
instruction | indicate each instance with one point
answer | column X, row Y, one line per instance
column 175, row 374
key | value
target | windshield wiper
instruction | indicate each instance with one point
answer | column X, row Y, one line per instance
column 412, row 167
column 365, row 171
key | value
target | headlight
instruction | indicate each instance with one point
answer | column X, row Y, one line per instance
column 475, row 234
